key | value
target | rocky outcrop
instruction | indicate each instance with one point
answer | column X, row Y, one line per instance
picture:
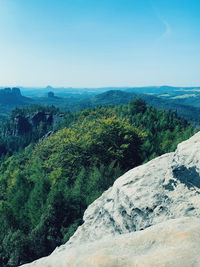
column 171, row 243
column 12, row 96
column 22, row 124
column 50, row 94
column 148, row 197
column 16, row 91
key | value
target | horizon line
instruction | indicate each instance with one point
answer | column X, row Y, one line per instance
column 93, row 87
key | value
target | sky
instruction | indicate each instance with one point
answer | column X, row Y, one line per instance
column 99, row 43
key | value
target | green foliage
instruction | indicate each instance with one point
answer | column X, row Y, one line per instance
column 137, row 105
column 45, row 188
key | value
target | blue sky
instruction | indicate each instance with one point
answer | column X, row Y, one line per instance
column 95, row 43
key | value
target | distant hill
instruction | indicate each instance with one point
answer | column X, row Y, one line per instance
column 189, row 96
column 186, row 101
column 112, row 97
column 12, row 96
column 79, row 98
column 117, row 97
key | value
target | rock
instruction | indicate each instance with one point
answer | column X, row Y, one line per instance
column 12, row 97
column 171, row 243
column 58, row 119
column 16, row 91
column 50, row 94
column 41, row 116
column 21, row 126
column 165, row 188
column 46, row 136
column 6, row 90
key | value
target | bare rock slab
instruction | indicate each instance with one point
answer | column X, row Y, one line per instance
column 172, row 243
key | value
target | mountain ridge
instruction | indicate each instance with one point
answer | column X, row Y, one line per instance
column 118, row 97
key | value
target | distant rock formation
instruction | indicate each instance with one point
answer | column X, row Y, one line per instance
column 154, row 197
column 51, row 94
column 10, row 91
column 12, row 96
column 16, row 91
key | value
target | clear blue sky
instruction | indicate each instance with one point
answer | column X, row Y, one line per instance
column 94, row 43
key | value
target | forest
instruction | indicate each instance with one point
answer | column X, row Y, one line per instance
column 51, row 172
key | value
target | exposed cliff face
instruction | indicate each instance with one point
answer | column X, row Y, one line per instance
column 165, row 188
column 21, row 125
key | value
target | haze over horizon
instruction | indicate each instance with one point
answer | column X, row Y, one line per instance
column 76, row 43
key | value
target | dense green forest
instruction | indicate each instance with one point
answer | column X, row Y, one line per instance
column 47, row 183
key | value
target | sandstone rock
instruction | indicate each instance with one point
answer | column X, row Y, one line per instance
column 167, row 187
column 50, row 94
column 172, row 243
column 22, row 124
column 12, row 96
column 16, row 91
column 41, row 116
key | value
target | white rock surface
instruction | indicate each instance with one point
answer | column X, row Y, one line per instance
column 172, row 243
column 167, row 187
